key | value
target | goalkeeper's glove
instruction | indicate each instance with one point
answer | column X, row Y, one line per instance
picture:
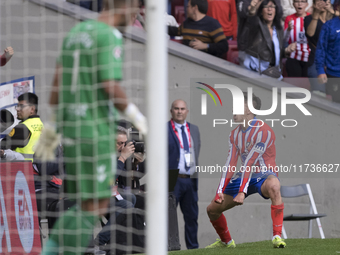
column 48, row 141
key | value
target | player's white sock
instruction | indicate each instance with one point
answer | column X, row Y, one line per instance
column 230, row 241
column 275, row 237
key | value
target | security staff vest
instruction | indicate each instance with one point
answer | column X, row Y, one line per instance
column 35, row 126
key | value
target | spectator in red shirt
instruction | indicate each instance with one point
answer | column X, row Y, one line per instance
column 297, row 62
column 225, row 12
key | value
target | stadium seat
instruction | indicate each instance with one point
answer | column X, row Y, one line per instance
column 298, row 191
column 232, row 42
column 176, row 40
column 232, row 54
column 179, row 14
column 175, row 3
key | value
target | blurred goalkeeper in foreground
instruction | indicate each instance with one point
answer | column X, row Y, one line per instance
column 86, row 89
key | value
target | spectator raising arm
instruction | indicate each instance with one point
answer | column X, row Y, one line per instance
column 254, row 6
column 8, row 53
column 330, row 9
column 318, row 10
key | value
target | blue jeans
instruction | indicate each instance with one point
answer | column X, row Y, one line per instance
column 314, row 84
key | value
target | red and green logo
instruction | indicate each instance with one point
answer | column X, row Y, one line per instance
column 204, row 97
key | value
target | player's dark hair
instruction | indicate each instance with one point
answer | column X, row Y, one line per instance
column 201, row 4
column 30, row 98
column 256, row 101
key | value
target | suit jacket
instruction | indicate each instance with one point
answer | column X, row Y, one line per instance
column 174, row 147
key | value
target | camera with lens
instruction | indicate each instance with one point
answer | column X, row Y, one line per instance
column 134, row 137
column 135, row 164
column 139, row 146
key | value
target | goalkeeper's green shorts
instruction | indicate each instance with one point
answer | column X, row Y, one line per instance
column 71, row 233
column 90, row 169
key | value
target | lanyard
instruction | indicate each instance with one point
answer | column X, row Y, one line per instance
column 176, row 132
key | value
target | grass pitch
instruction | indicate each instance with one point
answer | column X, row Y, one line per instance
column 311, row 246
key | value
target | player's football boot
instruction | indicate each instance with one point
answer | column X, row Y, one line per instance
column 220, row 244
column 278, row 242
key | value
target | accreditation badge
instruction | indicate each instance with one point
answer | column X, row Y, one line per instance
column 187, row 157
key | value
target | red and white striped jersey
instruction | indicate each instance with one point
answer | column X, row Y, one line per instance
column 297, row 34
column 256, row 147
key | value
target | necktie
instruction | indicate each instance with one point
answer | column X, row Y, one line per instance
column 185, row 144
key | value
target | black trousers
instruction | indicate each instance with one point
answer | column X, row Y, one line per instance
column 296, row 68
column 44, row 199
column 333, row 87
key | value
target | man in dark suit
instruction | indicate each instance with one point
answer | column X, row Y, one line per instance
column 184, row 148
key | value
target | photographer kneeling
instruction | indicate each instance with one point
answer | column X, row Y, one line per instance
column 128, row 164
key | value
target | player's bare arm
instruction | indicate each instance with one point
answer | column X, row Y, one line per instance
column 55, row 86
column 117, row 94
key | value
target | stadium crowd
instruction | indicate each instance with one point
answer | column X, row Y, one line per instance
column 278, row 38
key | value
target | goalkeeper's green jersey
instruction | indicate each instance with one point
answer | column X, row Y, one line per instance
column 91, row 54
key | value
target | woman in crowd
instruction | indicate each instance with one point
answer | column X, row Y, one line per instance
column 322, row 11
column 265, row 48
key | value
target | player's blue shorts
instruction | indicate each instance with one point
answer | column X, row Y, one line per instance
column 255, row 184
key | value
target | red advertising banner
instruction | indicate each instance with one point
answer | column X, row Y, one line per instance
column 19, row 226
